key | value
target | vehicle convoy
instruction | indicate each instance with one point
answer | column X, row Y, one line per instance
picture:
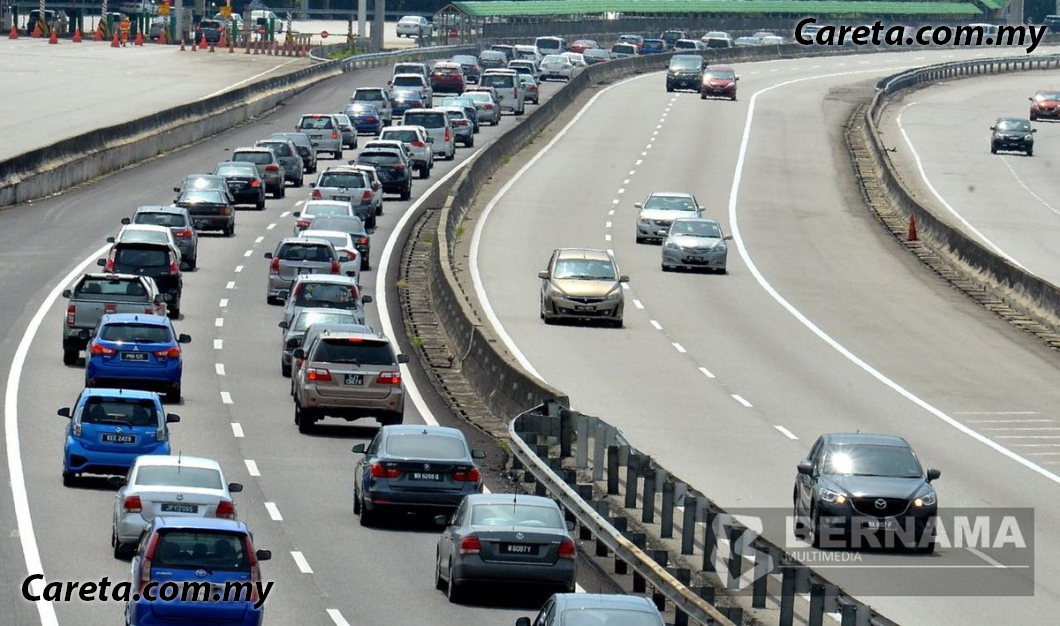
column 96, row 294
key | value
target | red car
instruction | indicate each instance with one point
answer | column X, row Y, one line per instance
column 1045, row 105
column 448, row 77
column 718, row 81
column 582, row 45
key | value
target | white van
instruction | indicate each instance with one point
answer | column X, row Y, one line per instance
column 550, row 45
column 506, row 82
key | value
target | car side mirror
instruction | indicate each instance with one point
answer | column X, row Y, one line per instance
column 172, row 418
column 728, row 237
column 623, row 279
column 283, row 324
column 543, row 274
column 366, row 299
column 933, row 474
column 522, row 621
column 296, row 214
column 1034, row 130
column 441, row 520
column 235, row 487
column 402, row 358
column 298, row 354
column 67, row 293
column 1031, row 99
column 311, row 185
column 358, row 449
column 284, row 294
column 268, row 255
column 805, row 468
column 126, row 221
column 185, row 267
column 116, row 481
column 737, row 78
column 176, row 189
column 64, row 412
column 477, row 454
column 264, row 555
column 101, row 262
column 993, row 128
column 182, row 338
column 293, row 342
column 638, row 205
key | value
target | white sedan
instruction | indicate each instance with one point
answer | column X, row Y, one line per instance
column 556, row 66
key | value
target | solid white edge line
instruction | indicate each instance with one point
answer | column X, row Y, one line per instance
column 301, row 562
column 734, row 226
column 337, row 617
column 246, row 80
column 19, row 494
column 274, row 511
column 787, row 433
column 252, row 467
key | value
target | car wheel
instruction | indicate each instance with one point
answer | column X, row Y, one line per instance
column 281, row 193
column 641, row 239
column 121, row 550
column 379, row 210
column 285, row 369
column 392, row 419
column 303, row 419
column 702, row 96
column 496, row 121
column 439, row 582
column 993, row 150
column 470, row 143
column 453, row 591
column 619, row 323
column 1030, row 152
column 669, row 89
column 173, row 397
column 366, row 264
column 356, row 502
column 174, row 311
column 68, row 479
column 231, row 230
column 193, row 264
column 815, row 528
column 666, row 268
column 260, row 205
column 520, row 112
column 1034, row 118
column 476, row 130
column 424, row 172
column 366, row 518
column 271, row 300
column 370, row 224
column 451, row 155
column 300, row 181
column 70, row 357
column 338, row 155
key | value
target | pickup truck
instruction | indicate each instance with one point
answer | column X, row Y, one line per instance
column 96, row 294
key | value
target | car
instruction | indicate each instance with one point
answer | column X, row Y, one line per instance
column 487, row 105
column 622, row 50
column 355, row 228
column 211, row 30
column 295, row 257
column 393, row 168
column 375, row 186
column 469, row 65
column 580, row 283
column 287, row 154
column 379, row 96
column 170, row 486
column 414, row 26
column 151, row 260
column 436, row 123
column 349, row 375
column 305, row 149
column 325, row 291
column 146, row 233
column 1012, row 134
column 671, row 36
column 577, row 59
column 714, row 34
column 689, row 46
column 95, row 294
column 596, row 55
column 718, row 81
column 525, row 66
column 525, row 53
column 654, row 46
column 294, row 331
column 741, row 42
column 347, row 129
column 575, row 609
column 268, row 166
column 418, row 143
column 349, row 257
column 314, row 331
column 463, row 128
column 661, row 208
column 490, row 59
column 218, row 554
column 507, row 49
column 685, row 72
column 203, row 182
column 245, row 186
column 506, row 84
column 109, row 428
column 695, row 243
column 413, row 467
column 550, row 45
column 530, row 88
column 414, row 82
column 404, row 99
column 557, row 66
column 467, row 105
column 1045, row 104
column 209, row 210
column 387, row 145
column 773, row 40
column 447, row 77
column 582, row 45
column 178, row 221
column 345, row 185
column 136, row 351
column 635, row 40
column 323, row 131
column 156, row 26
column 515, row 539
column 366, row 118
column 721, row 43
column 408, row 67
column 854, row 484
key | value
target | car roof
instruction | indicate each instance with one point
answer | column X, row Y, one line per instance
column 136, row 394
column 252, row 149
column 584, row 253
column 349, row 333
column 201, row 523
column 670, row 194
column 313, row 232
column 868, row 439
column 403, row 74
column 158, row 208
column 601, row 600
column 327, row 278
column 413, row 429
column 509, row 498
column 242, row 164
column 147, row 228
column 451, row 64
column 134, row 318
column 402, row 127
column 113, row 276
column 206, row 176
column 708, row 220
column 314, row 203
column 171, row 460
column 357, row 89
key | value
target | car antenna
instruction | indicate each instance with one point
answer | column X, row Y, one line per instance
column 180, row 458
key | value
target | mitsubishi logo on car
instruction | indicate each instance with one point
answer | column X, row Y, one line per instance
column 118, row 430
column 201, row 573
column 881, row 503
column 180, row 497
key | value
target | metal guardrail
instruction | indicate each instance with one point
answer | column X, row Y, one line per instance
column 375, row 59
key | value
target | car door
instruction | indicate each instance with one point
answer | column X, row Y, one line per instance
column 370, row 453
column 451, row 533
column 546, row 281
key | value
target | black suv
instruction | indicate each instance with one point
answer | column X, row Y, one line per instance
column 153, row 260
column 392, row 168
column 1013, row 134
column 685, row 72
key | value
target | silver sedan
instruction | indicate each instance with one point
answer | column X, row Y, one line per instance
column 696, row 243
column 660, row 209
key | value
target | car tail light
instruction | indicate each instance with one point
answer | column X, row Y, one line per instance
column 363, row 241
column 150, row 311
column 416, row 105
column 334, row 135
column 70, row 312
column 366, row 197
column 183, row 234
column 515, row 93
column 255, row 183
column 98, row 350
column 316, row 194
column 470, row 476
column 318, row 375
column 272, row 168
column 463, row 122
column 388, row 378
column 470, row 545
column 488, row 107
column 301, row 224
column 174, row 269
column 399, row 167
column 225, row 509
column 132, row 504
column 161, row 434
column 171, row 353
column 109, row 267
column 371, row 120
column 418, row 144
column 145, row 563
column 226, row 210
column 255, row 569
column 110, row 308
column 274, row 267
column 532, row 88
column 567, row 549
column 334, row 267
column 378, row 471
column 447, row 135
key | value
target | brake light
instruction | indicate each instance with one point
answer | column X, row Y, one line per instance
column 488, row 107
column 371, row 120
column 255, row 183
column 416, row 105
column 399, row 167
column 98, row 350
column 274, row 267
column 388, row 378
column 334, row 267
column 334, row 135
column 226, row 509
column 174, row 269
column 70, row 312
column 272, row 168
column 470, row 545
column 109, row 267
column 418, row 144
column 183, row 234
column 447, row 135
column 470, row 476
column 132, row 504
column 378, row 471
column 515, row 93
column 318, row 375
column 226, row 210
column 532, row 88
column 366, row 197
column 150, row 311
column 316, row 194
column 110, row 308
column 567, row 549
column 302, row 224
column 363, row 241
column 145, row 563
column 463, row 122
column 172, row 353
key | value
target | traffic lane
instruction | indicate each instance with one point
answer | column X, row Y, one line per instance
column 49, row 93
column 1007, row 198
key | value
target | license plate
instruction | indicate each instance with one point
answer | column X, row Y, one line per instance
column 879, row 524
column 694, row 259
column 354, row 379
column 584, row 307
column 118, row 438
column 518, row 548
column 133, row 356
column 174, row 507
column 342, row 197
column 426, row 476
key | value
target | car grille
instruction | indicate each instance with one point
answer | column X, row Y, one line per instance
column 661, row 223
column 868, row 506
column 585, row 299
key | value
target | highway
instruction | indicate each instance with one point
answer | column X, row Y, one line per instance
column 1007, row 201
column 236, row 410
column 823, row 323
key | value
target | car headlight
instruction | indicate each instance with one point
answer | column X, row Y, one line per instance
column 833, row 497
column 1028, row 137
column 926, row 499
column 615, row 295
column 672, row 246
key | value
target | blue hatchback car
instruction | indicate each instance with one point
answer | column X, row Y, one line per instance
column 366, row 118
column 213, row 559
column 109, row 428
column 138, row 351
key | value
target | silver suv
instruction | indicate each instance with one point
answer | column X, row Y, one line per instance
column 438, row 126
column 323, row 130
column 287, row 154
column 295, row 257
column 348, row 375
column 268, row 166
column 347, row 184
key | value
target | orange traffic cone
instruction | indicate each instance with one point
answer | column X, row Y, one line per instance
column 194, row 46
column 222, row 43
column 99, row 33
column 77, row 35
column 912, row 229
column 54, row 38
column 182, row 48
column 14, row 32
column 115, row 44
column 139, row 39
column 203, row 44
column 162, row 39
column 36, row 31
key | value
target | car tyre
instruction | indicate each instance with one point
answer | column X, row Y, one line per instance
column 392, row 419
column 259, row 205
column 366, row 518
column 669, row 89
column 815, row 528
column 271, row 300
column 702, row 96
column 68, row 479
column 173, row 397
column 285, row 369
column 281, row 193
column 193, row 264
column 439, row 582
column 174, row 311
column 453, row 591
column 300, row 181
column 231, row 230
column 470, row 143
column 356, row 503
column 338, row 155
column 303, row 418
column 366, row 263
column 70, row 357
column 666, row 268
column 619, row 323
column 641, row 239
column 496, row 121
column 1030, row 152
column 993, row 150
column 451, row 155
column 406, row 193
column 370, row 224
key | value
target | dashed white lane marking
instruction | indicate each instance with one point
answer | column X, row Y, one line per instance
column 607, row 237
column 626, row 182
column 639, row 161
column 285, row 214
column 226, row 398
column 787, row 433
column 223, row 303
column 611, row 212
column 706, row 372
column 260, row 239
column 679, row 347
column 632, row 172
column 252, row 467
column 655, row 324
column 658, row 127
column 271, row 226
column 337, row 617
column 638, row 304
column 615, row 201
column 643, row 154
column 248, row 253
column 219, row 322
column 607, row 224
column 299, row 560
column 230, row 284
column 239, row 268
column 274, row 512
column 219, row 368
column 218, row 344
column 775, row 70
column 237, row 430
column 647, row 147
column 741, row 400
column 299, row 203
column 654, row 133
column 621, row 190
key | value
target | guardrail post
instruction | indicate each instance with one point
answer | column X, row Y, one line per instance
column 648, row 515
column 710, row 542
column 760, row 586
column 566, row 432
column 787, row 595
column 662, row 557
column 831, row 598
column 734, row 614
column 707, row 593
column 599, row 442
column 666, row 530
column 585, row 492
column 621, row 524
column 632, row 478
column 688, row 525
column 582, row 460
column 735, row 557
column 848, row 613
column 802, row 580
column 816, row 605
column 683, row 576
column 612, row 470
column 641, row 541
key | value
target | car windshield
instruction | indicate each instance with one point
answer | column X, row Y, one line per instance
column 465, row 59
column 871, row 460
column 686, row 63
column 670, row 203
column 305, row 252
column 136, row 333
column 316, row 122
column 257, row 158
column 584, row 269
column 112, row 288
column 426, row 446
column 379, row 158
column 198, row 549
column 695, row 229
column 492, row 55
column 298, row 139
column 236, row 170
column 407, row 136
column 402, row 68
column 1020, row 125
column 361, row 108
column 354, row 350
column 347, row 224
column 497, row 81
column 202, row 183
column 719, row 75
column 138, row 412
column 1050, row 96
column 516, row 514
column 338, row 179
column 306, row 319
column 141, row 256
column 408, row 81
column 178, row 476
column 624, row 47
column 317, row 294
column 335, row 240
column 169, row 220
column 598, row 616
column 202, row 196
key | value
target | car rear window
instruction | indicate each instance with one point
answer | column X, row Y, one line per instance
column 515, row 515
column 136, row 333
column 316, row 122
column 369, row 95
column 202, row 183
column 478, row 96
column 426, row 120
column 178, row 476
column 305, row 252
column 356, row 350
column 236, row 170
column 134, row 412
column 327, row 210
column 141, row 256
column 169, row 220
column 407, row 81
column 112, row 288
column 401, row 68
column 202, row 195
column 338, row 242
column 420, row 446
column 278, row 148
column 407, row 136
column 341, row 179
column 379, row 158
column 191, row 549
column 306, row 319
column 210, row 24
column 497, row 81
column 352, row 225
column 258, row 158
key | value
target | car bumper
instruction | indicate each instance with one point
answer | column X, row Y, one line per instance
column 165, row 378
column 278, row 284
column 141, row 613
column 694, row 259
column 1048, row 114
column 130, row 527
column 683, row 82
column 327, row 146
column 548, row 75
column 79, row 460
column 369, row 129
column 220, row 222
column 395, row 186
column 353, row 407
column 448, row 88
column 386, row 498
column 471, row 568
column 1017, row 145
column 561, row 308
column 726, row 92
column 841, row 527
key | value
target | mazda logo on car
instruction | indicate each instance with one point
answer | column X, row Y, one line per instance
column 880, row 503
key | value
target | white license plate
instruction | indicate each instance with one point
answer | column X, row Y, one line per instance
column 426, row 476
column 584, row 307
column 116, row 438
column 879, row 524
